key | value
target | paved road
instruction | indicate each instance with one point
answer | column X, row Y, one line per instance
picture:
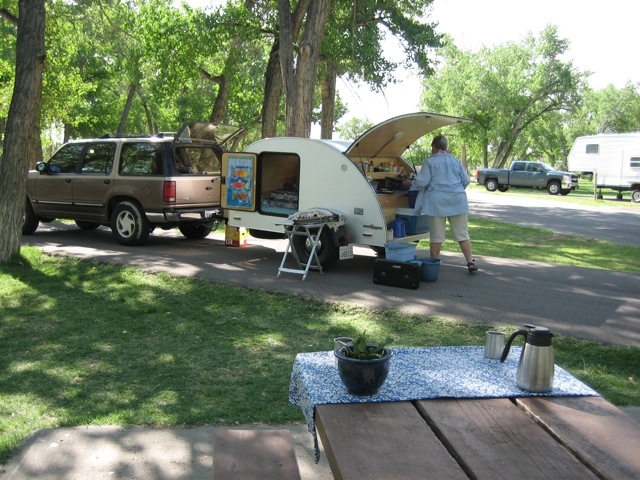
column 580, row 302
column 616, row 224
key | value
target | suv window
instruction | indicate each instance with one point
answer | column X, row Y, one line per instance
column 141, row 159
column 98, row 158
column 66, row 159
column 197, row 160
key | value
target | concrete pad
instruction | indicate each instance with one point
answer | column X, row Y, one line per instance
column 90, row 452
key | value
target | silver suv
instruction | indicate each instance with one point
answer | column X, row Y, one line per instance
column 133, row 185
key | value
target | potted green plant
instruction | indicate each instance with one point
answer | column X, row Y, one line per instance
column 363, row 367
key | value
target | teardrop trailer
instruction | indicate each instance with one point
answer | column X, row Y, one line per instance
column 352, row 189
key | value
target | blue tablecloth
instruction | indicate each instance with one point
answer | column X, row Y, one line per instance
column 418, row 374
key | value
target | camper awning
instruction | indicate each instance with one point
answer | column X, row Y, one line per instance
column 392, row 137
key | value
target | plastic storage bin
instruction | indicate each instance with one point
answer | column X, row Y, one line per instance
column 414, row 224
column 429, row 269
column 400, row 252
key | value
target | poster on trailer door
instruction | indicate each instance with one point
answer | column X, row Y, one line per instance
column 240, row 181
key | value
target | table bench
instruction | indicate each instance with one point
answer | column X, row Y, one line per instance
column 492, row 438
column 261, row 454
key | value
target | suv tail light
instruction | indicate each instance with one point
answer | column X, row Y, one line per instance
column 169, row 192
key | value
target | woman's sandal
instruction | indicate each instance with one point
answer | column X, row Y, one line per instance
column 472, row 266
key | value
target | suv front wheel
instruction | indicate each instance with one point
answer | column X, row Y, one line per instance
column 31, row 222
column 129, row 224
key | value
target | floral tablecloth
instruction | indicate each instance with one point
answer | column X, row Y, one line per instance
column 418, row 374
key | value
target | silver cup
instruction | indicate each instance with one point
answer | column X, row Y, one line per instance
column 494, row 344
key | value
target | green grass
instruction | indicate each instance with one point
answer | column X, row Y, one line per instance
column 505, row 240
column 84, row 343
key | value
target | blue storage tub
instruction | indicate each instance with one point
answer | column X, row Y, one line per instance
column 429, row 269
column 400, row 252
column 414, row 224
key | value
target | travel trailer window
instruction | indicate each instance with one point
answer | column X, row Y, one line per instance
column 279, row 178
column 593, row 148
column 634, row 162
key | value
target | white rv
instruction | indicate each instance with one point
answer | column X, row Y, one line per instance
column 613, row 159
column 275, row 178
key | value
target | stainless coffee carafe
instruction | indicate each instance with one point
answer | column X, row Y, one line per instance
column 535, row 369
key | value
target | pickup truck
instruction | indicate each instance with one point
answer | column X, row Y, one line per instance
column 527, row 174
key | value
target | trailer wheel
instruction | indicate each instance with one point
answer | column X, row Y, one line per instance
column 491, row 184
column 635, row 196
column 328, row 250
column 554, row 188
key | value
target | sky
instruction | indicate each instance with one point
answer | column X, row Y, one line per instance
column 603, row 39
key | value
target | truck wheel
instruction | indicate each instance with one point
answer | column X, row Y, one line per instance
column 328, row 250
column 554, row 188
column 129, row 224
column 635, row 196
column 503, row 188
column 491, row 185
column 196, row 231
column 30, row 222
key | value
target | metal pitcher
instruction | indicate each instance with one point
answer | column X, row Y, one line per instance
column 536, row 365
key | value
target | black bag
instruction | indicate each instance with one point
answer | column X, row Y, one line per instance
column 396, row 274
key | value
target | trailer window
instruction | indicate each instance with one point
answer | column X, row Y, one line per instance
column 634, row 162
column 593, row 148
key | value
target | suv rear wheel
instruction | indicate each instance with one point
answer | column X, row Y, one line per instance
column 129, row 224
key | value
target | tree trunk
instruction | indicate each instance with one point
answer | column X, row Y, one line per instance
column 280, row 73
column 22, row 138
column 300, row 97
column 222, row 98
column 328, row 103
column 286, row 59
column 126, row 110
column 272, row 93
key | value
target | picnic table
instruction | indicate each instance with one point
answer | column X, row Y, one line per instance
column 449, row 412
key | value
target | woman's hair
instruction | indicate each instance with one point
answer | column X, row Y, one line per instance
column 440, row 142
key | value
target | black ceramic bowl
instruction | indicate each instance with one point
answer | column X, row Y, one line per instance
column 363, row 377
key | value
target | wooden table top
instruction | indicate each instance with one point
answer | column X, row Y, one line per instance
column 491, row 438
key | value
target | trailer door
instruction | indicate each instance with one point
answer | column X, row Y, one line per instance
column 238, row 189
